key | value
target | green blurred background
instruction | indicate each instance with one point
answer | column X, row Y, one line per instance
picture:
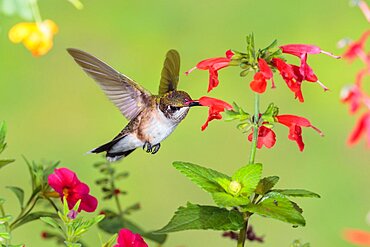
column 55, row 112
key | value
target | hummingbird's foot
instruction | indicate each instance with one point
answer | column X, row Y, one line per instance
column 155, row 148
column 148, row 147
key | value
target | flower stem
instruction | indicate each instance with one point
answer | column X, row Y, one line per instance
column 255, row 128
column 115, row 195
column 35, row 11
column 243, row 232
column 6, row 224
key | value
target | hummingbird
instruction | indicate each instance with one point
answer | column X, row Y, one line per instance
column 152, row 118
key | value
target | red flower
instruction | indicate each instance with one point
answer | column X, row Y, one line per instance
column 356, row 48
column 301, row 49
column 213, row 65
column 266, row 137
column 66, row 184
column 362, row 126
column 128, row 239
column 357, row 237
column 215, row 107
column 295, row 124
column 259, row 83
column 353, row 96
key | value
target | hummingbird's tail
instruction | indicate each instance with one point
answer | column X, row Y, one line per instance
column 111, row 156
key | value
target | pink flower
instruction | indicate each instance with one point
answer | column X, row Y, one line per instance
column 66, row 184
column 216, row 106
column 295, row 124
column 259, row 83
column 126, row 238
column 358, row 237
column 213, row 65
column 266, row 137
column 365, row 9
column 362, row 127
column 356, row 48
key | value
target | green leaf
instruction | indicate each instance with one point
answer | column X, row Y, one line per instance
column 17, row 7
column 5, row 219
column 194, row 217
column 277, row 206
column 70, row 244
column 5, row 162
column 205, row 178
column 111, row 241
column 76, row 3
column 19, row 193
column 35, row 216
column 226, row 200
column 112, row 223
column 51, row 221
column 298, row 193
column 249, row 176
column 4, row 235
column 266, row 184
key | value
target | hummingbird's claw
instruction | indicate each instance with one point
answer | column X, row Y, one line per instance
column 155, row 148
column 148, row 147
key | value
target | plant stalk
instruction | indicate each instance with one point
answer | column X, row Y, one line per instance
column 243, row 232
column 255, row 128
column 6, row 224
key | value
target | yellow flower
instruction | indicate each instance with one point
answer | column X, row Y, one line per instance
column 36, row 37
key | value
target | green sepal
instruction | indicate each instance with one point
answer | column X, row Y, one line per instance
column 111, row 241
column 266, row 184
column 70, row 244
column 277, row 206
column 271, row 112
column 226, row 200
column 298, row 243
column 19, row 193
column 77, row 4
column 237, row 113
column 251, row 49
column 249, row 177
column 297, row 193
column 194, row 217
column 2, row 136
column 205, row 178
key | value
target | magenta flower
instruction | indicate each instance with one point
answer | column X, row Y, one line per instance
column 126, row 238
column 66, row 184
column 213, row 65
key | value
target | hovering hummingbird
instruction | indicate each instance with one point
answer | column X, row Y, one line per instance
column 152, row 117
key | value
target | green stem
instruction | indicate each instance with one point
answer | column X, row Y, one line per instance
column 6, row 224
column 24, row 212
column 113, row 188
column 243, row 232
column 255, row 128
column 35, row 11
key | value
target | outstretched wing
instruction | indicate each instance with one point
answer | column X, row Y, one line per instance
column 128, row 96
column 170, row 72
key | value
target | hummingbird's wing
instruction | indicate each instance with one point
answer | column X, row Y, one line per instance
column 170, row 72
column 128, row 96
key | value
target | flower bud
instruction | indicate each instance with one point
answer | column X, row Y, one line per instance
column 234, row 187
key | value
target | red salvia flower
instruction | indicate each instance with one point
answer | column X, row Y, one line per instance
column 356, row 48
column 213, row 65
column 216, row 106
column 259, row 83
column 301, row 49
column 126, row 238
column 295, row 124
column 66, row 184
column 266, row 137
column 353, row 96
column 359, row 237
column 362, row 127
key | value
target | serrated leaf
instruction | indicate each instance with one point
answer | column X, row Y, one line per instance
column 5, row 162
column 205, row 178
column 226, row 200
column 298, row 193
column 277, row 206
column 249, row 176
column 266, row 184
column 19, row 193
column 112, row 223
column 35, row 216
column 193, row 217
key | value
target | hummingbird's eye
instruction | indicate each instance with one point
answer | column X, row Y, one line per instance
column 173, row 108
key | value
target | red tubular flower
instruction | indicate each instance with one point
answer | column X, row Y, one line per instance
column 66, row 184
column 213, row 65
column 353, row 96
column 356, row 48
column 301, row 49
column 266, row 137
column 362, row 126
column 126, row 238
column 357, row 237
column 259, row 83
column 295, row 124
column 215, row 107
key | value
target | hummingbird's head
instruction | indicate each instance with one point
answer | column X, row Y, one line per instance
column 175, row 105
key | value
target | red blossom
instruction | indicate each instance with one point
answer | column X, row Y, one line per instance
column 216, row 106
column 295, row 124
column 356, row 48
column 362, row 127
column 66, row 184
column 353, row 96
column 126, row 238
column 213, row 65
column 266, row 137
column 259, row 83
column 301, row 49
column 359, row 237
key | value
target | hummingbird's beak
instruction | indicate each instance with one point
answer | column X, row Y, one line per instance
column 194, row 103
